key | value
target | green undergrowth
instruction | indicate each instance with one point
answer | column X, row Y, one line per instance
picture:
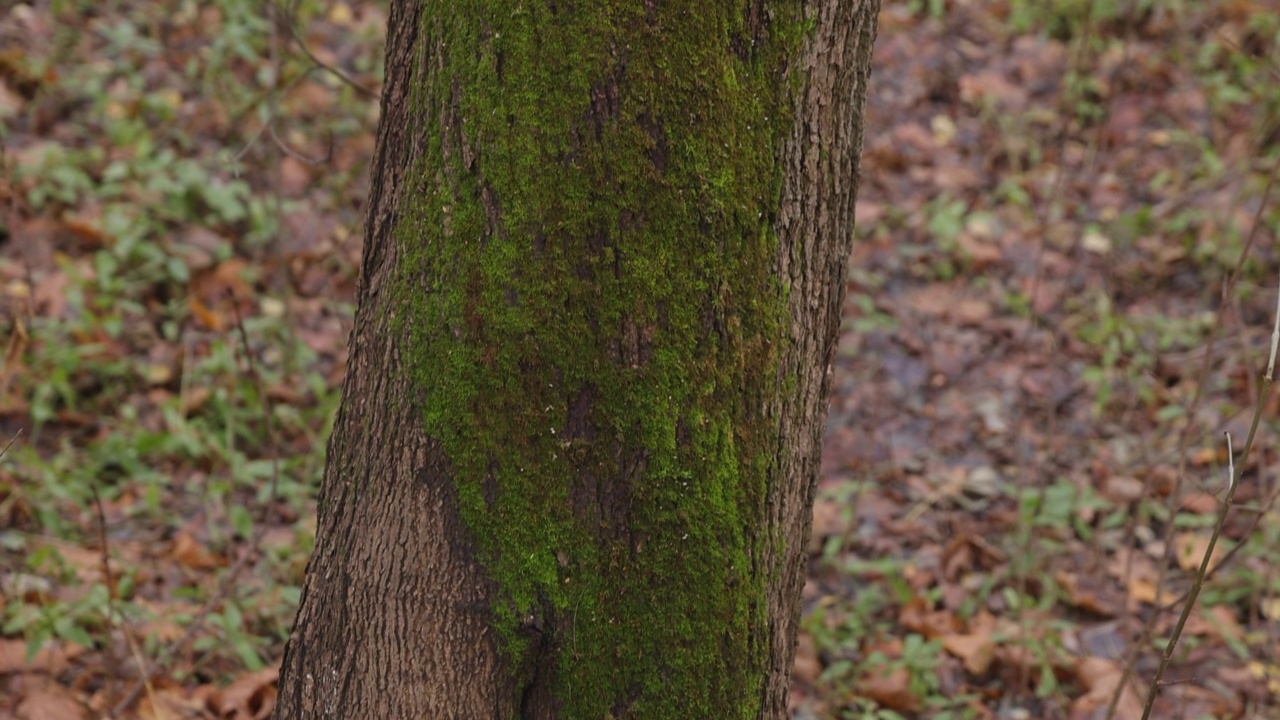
column 133, row 383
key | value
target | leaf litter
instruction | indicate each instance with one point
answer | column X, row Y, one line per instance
column 1049, row 207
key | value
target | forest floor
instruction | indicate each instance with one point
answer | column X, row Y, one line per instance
column 1060, row 299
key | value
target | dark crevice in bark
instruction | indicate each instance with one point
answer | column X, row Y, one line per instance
column 537, row 699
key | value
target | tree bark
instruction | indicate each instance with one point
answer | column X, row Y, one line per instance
column 572, row 472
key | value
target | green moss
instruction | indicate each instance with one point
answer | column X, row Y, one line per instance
column 589, row 294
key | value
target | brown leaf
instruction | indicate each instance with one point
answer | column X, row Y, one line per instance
column 52, row 658
column 980, row 253
column 1091, row 592
column 286, row 394
column 1123, row 488
column 199, row 247
column 1218, row 621
column 50, row 294
column 991, row 87
column 88, row 228
column 1190, row 547
column 52, row 701
column 957, row 559
column 917, row 617
column 890, row 688
column 1207, row 456
column 188, row 552
column 250, row 697
column 1201, row 503
column 206, row 315
column 295, row 176
column 1100, row 677
column 170, row 704
column 228, row 277
column 11, row 103
column 1143, row 591
column 976, row 651
column 194, row 399
column 86, row 563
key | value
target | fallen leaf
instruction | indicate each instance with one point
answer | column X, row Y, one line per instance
column 1191, row 547
column 1201, row 503
column 250, row 697
column 890, row 688
column 1143, row 591
column 975, row 651
column 991, row 87
column 1100, row 677
column 53, row 658
column 170, row 704
column 11, row 103
column 194, row 399
column 206, row 315
column 1218, row 621
column 52, row 701
column 918, row 617
column 295, row 176
column 980, row 253
column 1206, row 456
column 187, row 551
column 1091, row 593
column 1123, row 488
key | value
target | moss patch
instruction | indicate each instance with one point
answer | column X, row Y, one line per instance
column 590, row 297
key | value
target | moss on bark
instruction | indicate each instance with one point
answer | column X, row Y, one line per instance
column 591, row 302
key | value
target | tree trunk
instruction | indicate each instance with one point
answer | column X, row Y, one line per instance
column 605, row 257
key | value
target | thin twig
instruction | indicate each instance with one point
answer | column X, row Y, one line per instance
column 1275, row 340
column 1233, row 484
column 336, row 71
column 9, row 444
column 113, row 605
column 267, row 409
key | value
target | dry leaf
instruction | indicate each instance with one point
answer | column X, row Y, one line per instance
column 1143, row 591
column 170, row 704
column 1100, row 677
column 976, row 651
column 52, row 658
column 1090, row 592
column 190, row 553
column 1191, row 547
column 295, row 176
column 890, row 689
column 916, row 616
column 51, row 701
column 207, row 316
column 250, row 697
column 1201, row 503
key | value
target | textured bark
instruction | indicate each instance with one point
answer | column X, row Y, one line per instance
column 573, row 469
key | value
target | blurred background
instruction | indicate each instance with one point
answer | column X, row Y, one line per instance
column 1060, row 298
